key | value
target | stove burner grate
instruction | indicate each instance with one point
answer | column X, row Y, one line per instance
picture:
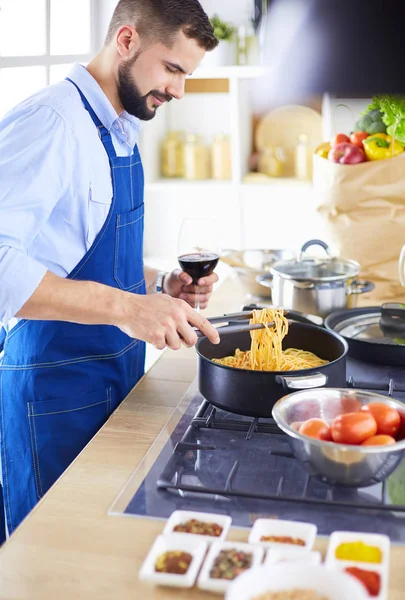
column 176, row 479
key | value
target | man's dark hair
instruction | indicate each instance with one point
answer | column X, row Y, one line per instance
column 161, row 20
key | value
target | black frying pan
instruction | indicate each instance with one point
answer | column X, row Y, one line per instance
column 391, row 353
column 253, row 393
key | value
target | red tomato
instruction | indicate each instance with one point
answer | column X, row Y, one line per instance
column 317, row 429
column 386, row 417
column 357, row 138
column 353, row 428
column 401, row 431
column 339, row 139
column 379, row 440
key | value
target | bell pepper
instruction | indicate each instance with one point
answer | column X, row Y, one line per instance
column 380, row 146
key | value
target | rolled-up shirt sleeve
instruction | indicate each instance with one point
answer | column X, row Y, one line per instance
column 35, row 164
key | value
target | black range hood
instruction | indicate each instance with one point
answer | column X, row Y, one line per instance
column 351, row 48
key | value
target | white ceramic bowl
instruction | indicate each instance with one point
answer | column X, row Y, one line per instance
column 205, row 582
column 335, row 585
column 182, row 516
column 166, row 543
column 278, row 527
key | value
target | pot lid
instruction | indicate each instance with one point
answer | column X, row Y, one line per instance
column 385, row 325
column 323, row 269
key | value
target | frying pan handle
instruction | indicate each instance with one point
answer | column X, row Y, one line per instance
column 305, row 382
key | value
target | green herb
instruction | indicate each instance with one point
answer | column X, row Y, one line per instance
column 222, row 30
column 392, row 109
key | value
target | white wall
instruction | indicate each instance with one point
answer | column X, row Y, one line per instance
column 232, row 10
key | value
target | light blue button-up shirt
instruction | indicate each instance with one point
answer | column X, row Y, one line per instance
column 55, row 184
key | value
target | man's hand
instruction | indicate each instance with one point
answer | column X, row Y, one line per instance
column 180, row 285
column 163, row 321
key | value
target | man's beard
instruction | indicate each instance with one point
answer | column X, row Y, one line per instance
column 131, row 99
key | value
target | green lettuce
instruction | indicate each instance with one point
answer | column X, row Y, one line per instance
column 392, row 109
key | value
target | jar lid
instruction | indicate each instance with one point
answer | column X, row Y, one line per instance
column 316, row 270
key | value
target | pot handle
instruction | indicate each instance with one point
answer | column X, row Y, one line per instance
column 361, row 287
column 302, row 383
column 310, row 243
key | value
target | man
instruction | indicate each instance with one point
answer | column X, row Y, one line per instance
column 71, row 228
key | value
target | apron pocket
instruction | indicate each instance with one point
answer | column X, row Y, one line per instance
column 128, row 259
column 60, row 429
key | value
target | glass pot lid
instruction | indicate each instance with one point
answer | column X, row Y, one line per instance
column 385, row 325
column 316, row 269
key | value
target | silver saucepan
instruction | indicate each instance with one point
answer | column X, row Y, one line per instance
column 315, row 286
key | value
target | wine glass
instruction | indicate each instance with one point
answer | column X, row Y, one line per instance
column 198, row 250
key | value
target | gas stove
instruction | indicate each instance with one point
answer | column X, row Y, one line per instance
column 216, row 461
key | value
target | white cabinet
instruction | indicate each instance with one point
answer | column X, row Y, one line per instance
column 275, row 214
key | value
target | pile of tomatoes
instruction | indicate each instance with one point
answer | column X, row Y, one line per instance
column 373, row 424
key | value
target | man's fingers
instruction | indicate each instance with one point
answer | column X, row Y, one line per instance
column 190, row 289
column 173, row 340
column 188, row 335
column 209, row 280
column 205, row 327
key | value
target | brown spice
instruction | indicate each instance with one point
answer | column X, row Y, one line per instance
column 291, row 595
column 173, row 561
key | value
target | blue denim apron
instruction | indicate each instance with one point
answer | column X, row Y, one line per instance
column 59, row 382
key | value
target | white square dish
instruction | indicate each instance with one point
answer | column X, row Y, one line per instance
column 292, row 555
column 208, row 583
column 275, row 527
column 165, row 543
column 182, row 516
column 372, row 539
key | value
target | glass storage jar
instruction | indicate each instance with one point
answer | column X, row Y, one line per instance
column 196, row 158
column 172, row 163
column 221, row 157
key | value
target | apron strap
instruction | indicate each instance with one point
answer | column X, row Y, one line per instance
column 3, row 336
column 103, row 132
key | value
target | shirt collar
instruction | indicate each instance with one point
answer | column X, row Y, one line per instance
column 102, row 106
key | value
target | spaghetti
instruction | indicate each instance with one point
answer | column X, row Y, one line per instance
column 266, row 353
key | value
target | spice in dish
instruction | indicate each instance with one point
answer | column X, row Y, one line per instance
column 230, row 563
column 292, row 595
column 282, row 540
column 358, row 551
column 199, row 528
column 370, row 579
column 176, row 562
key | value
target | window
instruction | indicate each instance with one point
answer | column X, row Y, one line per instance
column 39, row 42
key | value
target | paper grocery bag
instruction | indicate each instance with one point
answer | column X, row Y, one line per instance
column 363, row 210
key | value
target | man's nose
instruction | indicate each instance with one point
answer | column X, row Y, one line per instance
column 176, row 88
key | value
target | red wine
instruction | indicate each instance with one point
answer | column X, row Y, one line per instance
column 199, row 264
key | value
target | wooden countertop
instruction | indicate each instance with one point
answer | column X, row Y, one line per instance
column 69, row 547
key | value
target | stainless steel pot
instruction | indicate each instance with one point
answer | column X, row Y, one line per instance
column 250, row 264
column 313, row 285
column 340, row 464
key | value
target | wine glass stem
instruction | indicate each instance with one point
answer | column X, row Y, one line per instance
column 197, row 299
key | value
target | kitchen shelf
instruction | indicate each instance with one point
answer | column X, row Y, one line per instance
column 231, row 72
column 183, row 184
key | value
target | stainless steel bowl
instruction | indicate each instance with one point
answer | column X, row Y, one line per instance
column 354, row 466
column 250, row 264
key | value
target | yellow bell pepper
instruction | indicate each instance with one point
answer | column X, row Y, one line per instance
column 380, row 146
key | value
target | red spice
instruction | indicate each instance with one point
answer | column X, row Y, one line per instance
column 282, row 540
column 370, row 579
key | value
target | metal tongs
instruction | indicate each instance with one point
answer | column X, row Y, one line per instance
column 236, row 328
